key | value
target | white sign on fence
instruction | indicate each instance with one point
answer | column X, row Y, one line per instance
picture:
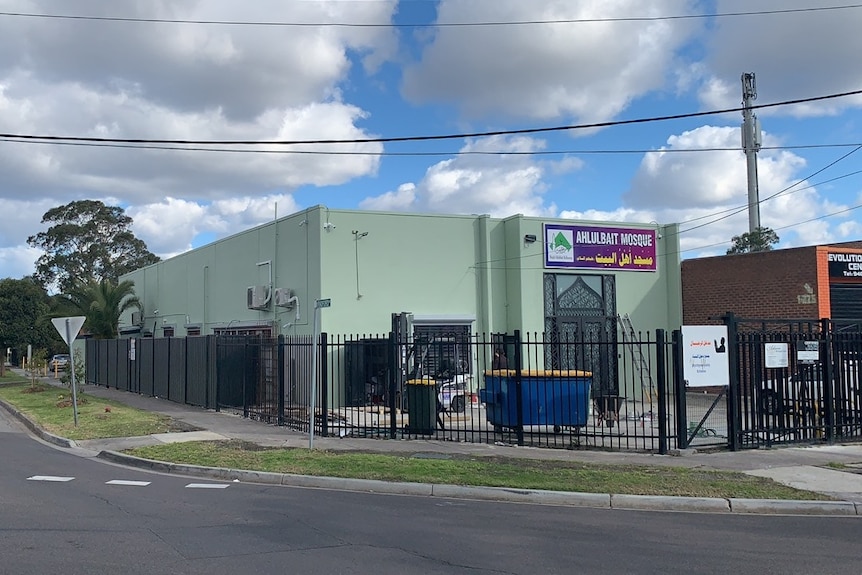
column 705, row 355
column 775, row 355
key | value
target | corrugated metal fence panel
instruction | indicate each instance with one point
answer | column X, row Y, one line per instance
column 212, row 372
column 111, row 349
column 146, row 349
column 102, row 377
column 231, row 371
column 196, row 370
column 177, row 370
column 92, row 361
column 122, row 359
column 161, row 367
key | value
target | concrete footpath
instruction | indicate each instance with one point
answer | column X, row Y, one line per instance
column 834, row 470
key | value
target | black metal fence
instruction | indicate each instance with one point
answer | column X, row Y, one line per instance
column 795, row 382
column 530, row 389
column 537, row 391
column 178, row 369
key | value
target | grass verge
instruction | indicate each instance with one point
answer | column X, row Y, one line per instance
column 478, row 471
column 51, row 408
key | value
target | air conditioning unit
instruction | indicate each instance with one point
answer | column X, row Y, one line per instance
column 136, row 318
column 283, row 297
column 257, row 297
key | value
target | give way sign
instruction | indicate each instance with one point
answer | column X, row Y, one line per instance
column 68, row 327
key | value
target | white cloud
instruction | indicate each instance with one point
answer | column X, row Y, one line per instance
column 169, row 227
column 400, row 200
column 586, row 70
column 480, row 181
column 240, row 70
column 793, row 56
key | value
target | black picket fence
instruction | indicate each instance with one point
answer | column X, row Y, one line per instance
column 547, row 392
column 815, row 397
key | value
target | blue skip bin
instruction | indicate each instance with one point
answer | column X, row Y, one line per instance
column 548, row 397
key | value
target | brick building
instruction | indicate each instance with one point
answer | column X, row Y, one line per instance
column 798, row 283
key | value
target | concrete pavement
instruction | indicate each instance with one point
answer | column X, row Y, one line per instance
column 834, row 470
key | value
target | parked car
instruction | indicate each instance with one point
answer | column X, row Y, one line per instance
column 60, row 361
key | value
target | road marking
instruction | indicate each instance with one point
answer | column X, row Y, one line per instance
column 207, row 486
column 127, row 482
column 49, row 478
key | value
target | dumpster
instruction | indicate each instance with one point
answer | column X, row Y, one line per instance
column 548, row 397
column 421, row 405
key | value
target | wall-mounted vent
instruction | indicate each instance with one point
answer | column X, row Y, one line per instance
column 283, row 297
column 137, row 318
column 257, row 297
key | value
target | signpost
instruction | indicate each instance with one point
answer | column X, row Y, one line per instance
column 68, row 328
column 318, row 304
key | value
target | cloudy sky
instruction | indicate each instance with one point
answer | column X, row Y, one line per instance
column 276, row 70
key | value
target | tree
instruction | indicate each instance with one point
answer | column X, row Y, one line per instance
column 102, row 303
column 87, row 241
column 760, row 240
column 24, row 307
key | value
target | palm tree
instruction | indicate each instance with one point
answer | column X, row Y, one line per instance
column 102, row 303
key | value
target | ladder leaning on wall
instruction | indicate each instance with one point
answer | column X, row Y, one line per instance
column 639, row 362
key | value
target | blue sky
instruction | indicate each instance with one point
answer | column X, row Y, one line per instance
column 162, row 73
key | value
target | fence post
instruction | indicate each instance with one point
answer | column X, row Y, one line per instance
column 244, row 377
column 680, row 406
column 827, row 371
column 519, row 400
column 661, row 377
column 394, row 373
column 324, row 384
column 734, row 425
column 280, row 401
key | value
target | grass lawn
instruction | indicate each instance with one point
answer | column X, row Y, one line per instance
column 51, row 408
column 11, row 377
column 480, row 471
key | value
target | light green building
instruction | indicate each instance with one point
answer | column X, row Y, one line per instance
column 476, row 273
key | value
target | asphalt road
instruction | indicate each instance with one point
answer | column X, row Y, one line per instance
column 50, row 523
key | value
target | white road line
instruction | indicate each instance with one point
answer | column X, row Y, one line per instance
column 207, row 486
column 49, row 478
column 127, row 482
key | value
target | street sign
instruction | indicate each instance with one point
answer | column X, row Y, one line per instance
column 69, row 328
column 323, row 303
column 70, row 334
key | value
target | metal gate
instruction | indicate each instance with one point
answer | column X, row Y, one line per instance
column 792, row 381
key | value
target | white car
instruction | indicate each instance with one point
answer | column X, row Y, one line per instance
column 60, row 361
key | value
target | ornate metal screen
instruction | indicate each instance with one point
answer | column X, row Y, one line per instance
column 580, row 321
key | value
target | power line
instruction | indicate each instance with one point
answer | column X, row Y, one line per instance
column 823, row 217
column 440, row 153
column 776, row 194
column 431, row 24
column 427, row 138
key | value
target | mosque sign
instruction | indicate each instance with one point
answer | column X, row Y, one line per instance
column 594, row 247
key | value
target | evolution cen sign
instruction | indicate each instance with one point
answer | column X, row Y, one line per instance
column 592, row 247
column 845, row 265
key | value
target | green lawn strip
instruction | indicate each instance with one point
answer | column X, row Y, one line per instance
column 480, row 471
column 11, row 377
column 51, row 408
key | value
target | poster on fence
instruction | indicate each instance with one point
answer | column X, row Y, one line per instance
column 705, row 361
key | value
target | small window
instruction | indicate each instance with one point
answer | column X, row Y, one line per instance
column 192, row 331
column 168, row 331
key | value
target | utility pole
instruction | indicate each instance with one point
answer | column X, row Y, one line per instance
column 751, row 145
